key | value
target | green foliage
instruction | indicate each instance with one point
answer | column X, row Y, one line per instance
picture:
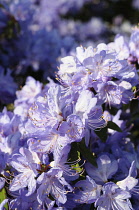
column 3, row 196
column 103, row 133
column 10, row 107
column 86, row 153
column 134, row 106
column 74, row 153
column 113, row 126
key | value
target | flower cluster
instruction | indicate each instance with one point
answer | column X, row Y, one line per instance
column 70, row 142
column 49, row 121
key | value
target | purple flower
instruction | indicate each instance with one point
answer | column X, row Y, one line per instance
column 25, row 164
column 48, row 111
column 9, row 123
column 3, row 203
column 3, row 161
column 21, row 201
column 52, row 183
column 26, row 96
column 72, row 127
column 120, row 46
column 129, row 182
column 69, row 170
column 28, row 91
column 128, row 73
column 113, row 198
column 21, row 10
column 49, row 141
column 9, row 131
column 106, row 169
column 86, row 191
column 7, row 86
column 134, row 44
column 98, row 63
column 90, row 114
column 114, row 93
column 10, row 144
column 2, row 182
column 52, row 17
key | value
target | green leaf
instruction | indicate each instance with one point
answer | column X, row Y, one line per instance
column 113, row 126
column 86, row 153
column 3, row 196
column 134, row 106
column 74, row 153
column 113, row 110
column 10, row 107
column 102, row 134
